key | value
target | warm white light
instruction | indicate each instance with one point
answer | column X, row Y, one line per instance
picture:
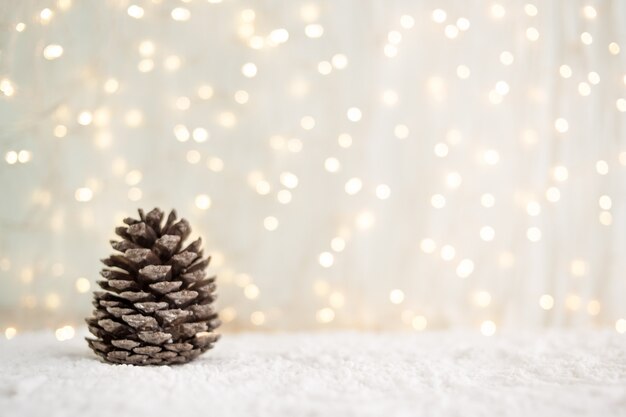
column 183, row 103
column 289, row 180
column 401, row 131
column 394, row 37
column 546, row 302
column 133, row 118
column 205, row 92
column 60, row 131
column 307, row 123
column 226, row 119
column 390, row 50
column 52, row 51
column 593, row 77
column 497, row 11
column 85, row 118
column 324, row 67
column 407, row 21
column 487, row 200
column 451, row 31
column 278, row 36
column 506, row 58
column 419, row 323
column 439, row 15
column 6, row 87
column 530, row 9
column 438, row 201
column 621, row 104
column 200, row 134
column 83, row 194
column 23, row 156
column 336, row 299
column 345, row 140
column 193, row 156
column 180, row 14
column 502, row 88
column 533, row 208
column 462, row 23
column 339, row 61
column 20, row 27
column 257, row 318
column 145, row 65
column 326, row 259
column 560, row 173
column 10, row 333
column 146, row 48
column 365, row 220
column 332, row 165
column 441, row 150
column 614, row 48
column 561, row 125
column 396, row 296
column 82, row 285
column 533, row 234
column 353, row 186
column 463, row 72
column 325, row 315
column 249, row 70
column 338, row 244
column 383, row 191
column 605, row 202
column 135, row 194
column 314, row 30
column 481, row 298
column 270, row 223
column 65, row 333
column 584, row 89
column 135, row 11
column 453, row 180
column 354, row 114
column 565, row 71
column 487, row 233
column 284, row 196
column 465, row 268
column 203, row 201
column 488, row 328
column 133, row 177
column 586, row 38
column 491, row 157
column 447, row 252
column 602, row 167
column 620, row 326
column 553, row 194
column 390, row 97
column 532, row 34
column 111, row 85
column 263, row 187
column 181, row 133
column 578, row 267
column 251, row 291
column 428, row 245
column 215, row 164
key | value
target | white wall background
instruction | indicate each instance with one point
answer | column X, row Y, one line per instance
column 463, row 124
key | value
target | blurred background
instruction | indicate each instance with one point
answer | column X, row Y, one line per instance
column 352, row 164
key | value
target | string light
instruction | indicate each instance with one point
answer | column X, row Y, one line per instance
column 135, row 11
column 465, row 268
column 401, row 131
column 314, row 30
column 326, row 259
column 52, row 51
column 488, row 328
column 10, row 333
column 325, row 315
column 396, row 296
column 82, row 285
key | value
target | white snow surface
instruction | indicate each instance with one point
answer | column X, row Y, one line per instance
column 550, row 374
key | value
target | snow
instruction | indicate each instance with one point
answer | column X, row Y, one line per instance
column 430, row 374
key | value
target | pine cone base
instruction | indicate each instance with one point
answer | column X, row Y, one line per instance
column 156, row 307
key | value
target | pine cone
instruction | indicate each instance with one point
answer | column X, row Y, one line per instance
column 156, row 307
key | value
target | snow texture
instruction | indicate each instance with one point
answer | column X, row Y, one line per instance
column 328, row 374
